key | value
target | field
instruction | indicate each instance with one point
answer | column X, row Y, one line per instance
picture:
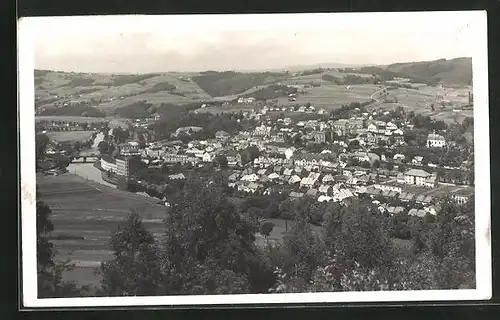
column 330, row 96
column 70, row 136
column 153, row 98
column 420, row 102
column 92, row 211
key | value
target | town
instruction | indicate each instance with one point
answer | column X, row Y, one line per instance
column 403, row 161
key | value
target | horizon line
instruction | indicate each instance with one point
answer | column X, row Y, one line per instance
column 305, row 66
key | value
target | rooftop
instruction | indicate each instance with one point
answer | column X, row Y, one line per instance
column 418, row 173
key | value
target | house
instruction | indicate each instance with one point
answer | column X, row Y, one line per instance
column 221, row 134
column 207, row 157
column 366, row 156
column 233, row 177
column 372, row 127
column 388, row 187
column 463, row 196
column 324, row 198
column 406, row 196
column 398, row 132
column 320, row 137
column 431, row 182
column 310, row 180
column 324, row 189
column 294, row 179
column 328, row 178
column 430, row 210
column 273, row 176
column 307, row 160
column 435, row 141
column 417, row 160
column 340, row 126
column 178, row 176
column 329, row 166
column 233, row 160
column 250, row 177
column 174, row 158
column 394, row 210
column 343, row 194
column 252, row 187
column 418, row 213
column 399, row 157
column 391, row 126
column 246, row 99
column 261, row 131
column 420, row 178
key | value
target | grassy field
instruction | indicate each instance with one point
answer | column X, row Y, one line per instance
column 154, row 98
column 92, row 211
column 70, row 136
column 331, row 96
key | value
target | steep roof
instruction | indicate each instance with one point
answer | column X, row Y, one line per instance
column 418, row 173
column 434, row 136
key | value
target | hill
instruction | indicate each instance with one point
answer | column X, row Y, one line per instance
column 450, row 72
column 227, row 83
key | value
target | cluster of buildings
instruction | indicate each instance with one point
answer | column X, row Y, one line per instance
column 283, row 166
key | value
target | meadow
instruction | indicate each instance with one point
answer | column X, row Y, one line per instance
column 89, row 212
column 70, row 136
column 330, row 96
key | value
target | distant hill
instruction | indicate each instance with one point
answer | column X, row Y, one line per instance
column 452, row 72
column 326, row 65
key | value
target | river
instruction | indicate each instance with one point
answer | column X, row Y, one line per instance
column 87, row 170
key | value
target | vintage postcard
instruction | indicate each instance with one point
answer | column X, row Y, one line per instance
column 254, row 159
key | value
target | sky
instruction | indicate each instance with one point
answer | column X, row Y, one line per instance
column 141, row 44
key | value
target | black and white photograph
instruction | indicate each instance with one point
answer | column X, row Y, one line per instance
column 254, row 159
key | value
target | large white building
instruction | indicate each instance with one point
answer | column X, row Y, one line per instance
column 435, row 140
column 420, row 178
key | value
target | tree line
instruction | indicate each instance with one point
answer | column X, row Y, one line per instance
column 208, row 246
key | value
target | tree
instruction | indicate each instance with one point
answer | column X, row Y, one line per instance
column 453, row 243
column 302, row 252
column 249, row 154
column 221, row 160
column 104, row 147
column 120, row 135
column 41, row 143
column 136, row 267
column 204, row 230
column 266, row 228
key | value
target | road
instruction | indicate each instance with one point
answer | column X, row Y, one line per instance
column 373, row 94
